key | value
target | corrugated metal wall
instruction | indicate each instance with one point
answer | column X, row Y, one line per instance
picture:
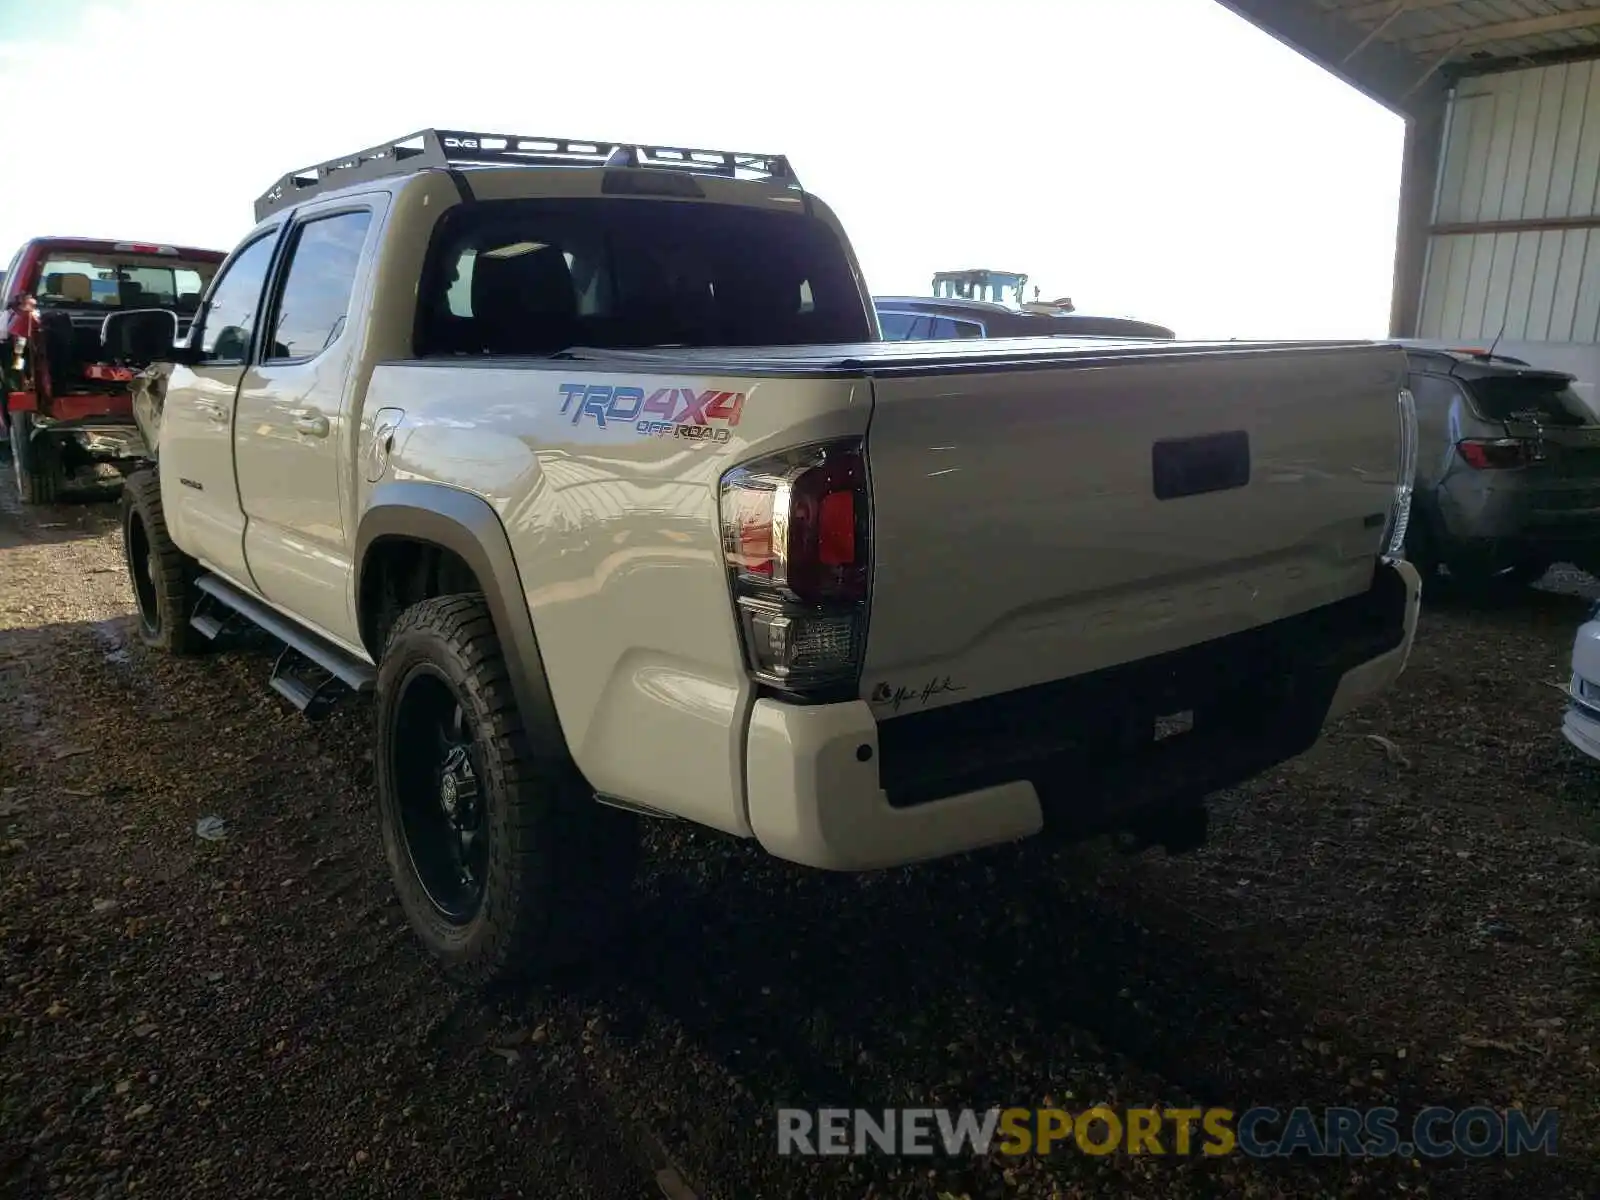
column 1516, row 242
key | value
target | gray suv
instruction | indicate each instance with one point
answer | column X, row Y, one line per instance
column 1508, row 470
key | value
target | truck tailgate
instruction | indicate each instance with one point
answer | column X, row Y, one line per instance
column 1034, row 524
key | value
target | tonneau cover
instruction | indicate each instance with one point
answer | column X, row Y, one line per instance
column 872, row 358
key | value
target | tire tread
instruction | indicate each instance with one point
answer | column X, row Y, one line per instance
column 568, row 860
column 38, row 466
column 176, row 591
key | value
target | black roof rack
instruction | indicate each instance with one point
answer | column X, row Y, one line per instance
column 446, row 148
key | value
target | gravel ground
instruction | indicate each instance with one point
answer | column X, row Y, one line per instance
column 1407, row 921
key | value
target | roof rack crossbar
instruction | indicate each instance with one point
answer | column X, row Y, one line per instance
column 442, row 149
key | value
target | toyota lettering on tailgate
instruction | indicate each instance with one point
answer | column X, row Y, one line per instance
column 701, row 416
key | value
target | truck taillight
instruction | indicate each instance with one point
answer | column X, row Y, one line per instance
column 796, row 535
column 1405, row 477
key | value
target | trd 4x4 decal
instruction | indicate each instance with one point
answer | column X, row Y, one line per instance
column 703, row 416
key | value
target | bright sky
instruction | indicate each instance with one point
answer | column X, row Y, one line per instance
column 1154, row 158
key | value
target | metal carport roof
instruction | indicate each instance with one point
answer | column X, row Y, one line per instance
column 1398, row 51
column 1405, row 54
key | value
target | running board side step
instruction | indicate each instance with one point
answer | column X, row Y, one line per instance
column 304, row 654
column 304, row 684
column 215, row 621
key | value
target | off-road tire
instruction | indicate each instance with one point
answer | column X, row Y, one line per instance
column 561, row 865
column 171, row 573
column 36, row 461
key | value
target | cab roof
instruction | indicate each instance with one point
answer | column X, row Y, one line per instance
column 85, row 245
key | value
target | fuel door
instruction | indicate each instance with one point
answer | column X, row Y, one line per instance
column 385, row 426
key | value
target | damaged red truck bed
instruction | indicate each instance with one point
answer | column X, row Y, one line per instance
column 67, row 403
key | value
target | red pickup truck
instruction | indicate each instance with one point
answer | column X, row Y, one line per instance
column 66, row 405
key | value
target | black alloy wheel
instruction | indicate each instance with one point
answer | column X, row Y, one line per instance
column 439, row 794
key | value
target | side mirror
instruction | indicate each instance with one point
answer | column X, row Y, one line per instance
column 141, row 336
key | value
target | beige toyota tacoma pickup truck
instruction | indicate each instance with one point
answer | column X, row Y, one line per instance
column 589, row 461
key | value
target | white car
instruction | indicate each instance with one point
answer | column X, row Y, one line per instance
column 1581, row 725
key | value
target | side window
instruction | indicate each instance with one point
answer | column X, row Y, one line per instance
column 311, row 309
column 945, row 327
column 896, row 326
column 230, row 317
column 459, row 298
column 921, row 330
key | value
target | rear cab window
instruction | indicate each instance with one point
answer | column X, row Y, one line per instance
column 78, row 279
column 535, row 277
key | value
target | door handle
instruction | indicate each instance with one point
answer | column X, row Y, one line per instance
column 312, row 424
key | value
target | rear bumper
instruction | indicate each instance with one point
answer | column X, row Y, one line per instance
column 110, row 405
column 1503, row 525
column 1377, row 675
column 831, row 787
column 105, row 436
column 814, row 798
column 1580, row 546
